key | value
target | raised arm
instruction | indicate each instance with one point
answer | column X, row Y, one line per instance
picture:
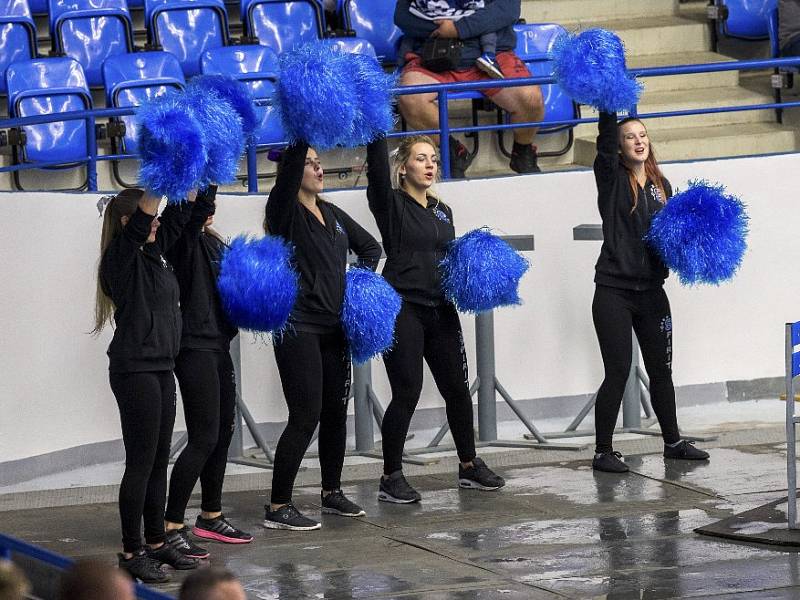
column 203, row 207
column 380, row 195
column 173, row 219
column 606, row 162
column 411, row 25
column 283, row 195
column 494, row 17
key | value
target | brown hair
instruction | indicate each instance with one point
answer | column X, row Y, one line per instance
column 93, row 580
column 651, row 169
column 201, row 585
column 403, row 155
column 14, row 585
column 122, row 205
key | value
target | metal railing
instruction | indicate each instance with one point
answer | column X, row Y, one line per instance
column 443, row 92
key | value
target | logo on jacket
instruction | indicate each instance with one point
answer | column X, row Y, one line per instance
column 339, row 228
column 440, row 214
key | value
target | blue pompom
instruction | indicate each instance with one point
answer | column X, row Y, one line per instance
column 222, row 134
column 257, row 283
column 481, row 271
column 369, row 311
column 373, row 87
column 235, row 93
column 590, row 67
column 701, row 234
column 171, row 147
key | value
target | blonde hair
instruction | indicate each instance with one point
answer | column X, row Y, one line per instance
column 403, row 154
column 122, row 205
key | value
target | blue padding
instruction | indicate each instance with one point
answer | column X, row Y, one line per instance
column 187, row 28
column 131, row 79
column 373, row 20
column 353, row 45
column 256, row 66
column 796, row 334
column 795, row 364
column 17, row 35
column 747, row 19
column 283, row 24
column 47, row 86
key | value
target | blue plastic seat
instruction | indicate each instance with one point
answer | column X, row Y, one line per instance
column 50, row 86
column 373, row 20
column 283, row 24
column 353, row 45
column 746, row 19
column 17, row 35
column 256, row 66
column 38, row 7
column 187, row 28
column 90, row 31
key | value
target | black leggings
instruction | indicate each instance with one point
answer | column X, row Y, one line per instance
column 614, row 312
column 147, row 412
column 315, row 375
column 208, row 390
column 433, row 334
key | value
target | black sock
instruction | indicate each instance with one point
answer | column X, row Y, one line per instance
column 520, row 147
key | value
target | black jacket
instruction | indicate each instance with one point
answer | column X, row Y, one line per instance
column 626, row 261
column 196, row 258
column 143, row 287
column 415, row 238
column 320, row 251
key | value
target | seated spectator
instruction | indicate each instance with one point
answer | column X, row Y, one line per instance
column 212, row 583
column 789, row 27
column 523, row 104
column 13, row 583
column 95, row 580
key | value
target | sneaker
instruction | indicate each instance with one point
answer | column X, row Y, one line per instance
column 685, row 450
column 336, row 503
column 460, row 159
column 395, row 488
column 221, row 530
column 179, row 539
column 524, row 159
column 610, row 462
column 167, row 555
column 487, row 63
column 288, row 517
column 479, row 477
column 143, row 568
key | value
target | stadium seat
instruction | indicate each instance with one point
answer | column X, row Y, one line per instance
column 186, row 28
column 283, row 24
column 38, row 7
column 373, row 20
column 46, row 86
column 352, row 45
column 744, row 19
column 17, row 35
column 90, row 31
column 257, row 66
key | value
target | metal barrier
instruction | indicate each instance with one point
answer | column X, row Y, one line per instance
column 792, row 359
column 443, row 92
column 10, row 546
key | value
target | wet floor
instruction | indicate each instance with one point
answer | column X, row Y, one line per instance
column 555, row 531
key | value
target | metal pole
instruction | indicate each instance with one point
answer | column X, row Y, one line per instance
column 362, row 382
column 444, row 138
column 236, row 447
column 252, row 168
column 487, row 402
column 791, row 458
column 631, row 400
column 91, row 165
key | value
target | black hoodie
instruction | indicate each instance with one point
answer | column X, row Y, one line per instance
column 320, row 251
column 415, row 237
column 625, row 261
column 143, row 287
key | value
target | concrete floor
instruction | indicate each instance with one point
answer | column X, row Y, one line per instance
column 556, row 530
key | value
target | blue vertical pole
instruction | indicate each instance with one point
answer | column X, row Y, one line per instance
column 91, row 165
column 444, row 135
column 252, row 168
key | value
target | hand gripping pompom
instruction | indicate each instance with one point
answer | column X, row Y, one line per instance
column 369, row 312
column 481, row 272
column 701, row 234
column 257, row 283
column 590, row 67
column 173, row 156
column 235, row 93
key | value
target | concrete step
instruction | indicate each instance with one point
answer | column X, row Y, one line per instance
column 684, row 82
column 559, row 11
column 707, row 142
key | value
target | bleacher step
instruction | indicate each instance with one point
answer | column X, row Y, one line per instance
column 684, row 82
column 559, row 11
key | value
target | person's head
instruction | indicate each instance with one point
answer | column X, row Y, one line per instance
column 212, row 583
column 14, row 585
column 313, row 175
column 95, row 580
column 416, row 163
column 636, row 152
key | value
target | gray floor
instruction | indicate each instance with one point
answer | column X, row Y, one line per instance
column 557, row 530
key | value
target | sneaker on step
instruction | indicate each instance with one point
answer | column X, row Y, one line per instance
column 288, row 517
column 167, row 555
column 486, row 62
column 685, row 450
column 221, row 530
column 143, row 568
column 394, row 488
column 609, row 462
column 460, row 159
column 336, row 503
column 479, row 477
column 179, row 539
column 524, row 159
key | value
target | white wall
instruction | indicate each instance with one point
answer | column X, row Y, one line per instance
column 53, row 376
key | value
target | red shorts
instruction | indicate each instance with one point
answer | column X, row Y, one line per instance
column 511, row 66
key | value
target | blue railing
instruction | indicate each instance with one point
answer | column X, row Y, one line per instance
column 443, row 92
column 10, row 545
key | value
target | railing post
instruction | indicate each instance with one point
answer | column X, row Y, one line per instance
column 91, row 165
column 444, row 135
column 487, row 401
column 252, row 168
column 362, row 382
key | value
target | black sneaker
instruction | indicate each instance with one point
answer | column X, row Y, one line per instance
column 479, row 477
column 288, row 517
column 460, row 159
column 221, row 530
column 685, row 450
column 336, row 503
column 395, row 488
column 179, row 539
column 167, row 555
column 143, row 568
column 524, row 159
column 610, row 462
